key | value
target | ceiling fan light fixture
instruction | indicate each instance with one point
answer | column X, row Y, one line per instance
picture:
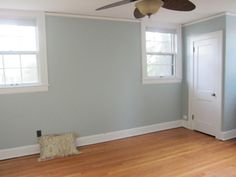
column 149, row 7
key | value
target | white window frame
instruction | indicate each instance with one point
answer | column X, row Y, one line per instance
column 177, row 78
column 42, row 53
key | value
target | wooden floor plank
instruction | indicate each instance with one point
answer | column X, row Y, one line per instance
column 173, row 153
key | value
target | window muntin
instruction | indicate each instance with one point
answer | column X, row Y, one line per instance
column 160, row 54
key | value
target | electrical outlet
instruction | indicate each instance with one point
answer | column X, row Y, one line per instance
column 39, row 133
column 185, row 117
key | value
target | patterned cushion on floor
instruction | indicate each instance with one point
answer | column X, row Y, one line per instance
column 52, row 146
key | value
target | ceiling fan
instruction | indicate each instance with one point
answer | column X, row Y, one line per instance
column 149, row 7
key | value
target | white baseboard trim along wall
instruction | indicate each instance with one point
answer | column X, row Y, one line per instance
column 94, row 139
column 87, row 140
column 127, row 133
column 227, row 135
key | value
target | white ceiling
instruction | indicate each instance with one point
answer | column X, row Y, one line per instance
column 205, row 8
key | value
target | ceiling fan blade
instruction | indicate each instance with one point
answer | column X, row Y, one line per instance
column 116, row 4
column 138, row 14
column 179, row 5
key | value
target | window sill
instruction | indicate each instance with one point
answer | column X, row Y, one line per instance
column 161, row 81
column 24, row 89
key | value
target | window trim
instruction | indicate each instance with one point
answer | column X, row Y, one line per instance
column 177, row 78
column 42, row 53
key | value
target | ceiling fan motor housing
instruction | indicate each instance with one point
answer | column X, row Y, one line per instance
column 149, row 7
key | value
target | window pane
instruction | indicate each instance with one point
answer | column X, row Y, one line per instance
column 17, row 38
column 11, row 61
column 158, row 47
column 160, row 59
column 13, row 76
column 160, row 71
column 157, row 36
column 159, row 42
column 1, row 77
column 28, row 61
column 29, row 75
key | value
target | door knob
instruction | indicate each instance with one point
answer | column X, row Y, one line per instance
column 213, row 94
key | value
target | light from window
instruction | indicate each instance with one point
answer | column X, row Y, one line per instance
column 18, row 55
column 23, row 61
column 160, row 54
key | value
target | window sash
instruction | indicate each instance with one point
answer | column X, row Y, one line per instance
column 21, row 69
column 39, row 60
column 28, row 76
column 172, row 53
column 172, row 65
column 163, row 76
column 173, row 40
column 18, row 37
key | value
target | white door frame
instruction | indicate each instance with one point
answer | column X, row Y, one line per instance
column 219, row 35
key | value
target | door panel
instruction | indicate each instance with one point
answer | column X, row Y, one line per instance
column 206, row 84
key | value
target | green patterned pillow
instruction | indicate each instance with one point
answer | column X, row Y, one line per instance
column 52, row 146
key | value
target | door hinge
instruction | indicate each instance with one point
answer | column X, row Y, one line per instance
column 193, row 117
column 193, row 49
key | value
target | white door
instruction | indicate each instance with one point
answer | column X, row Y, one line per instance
column 206, row 85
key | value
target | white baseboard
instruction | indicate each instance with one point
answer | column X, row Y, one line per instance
column 18, row 152
column 224, row 136
column 227, row 135
column 87, row 140
column 127, row 133
column 185, row 124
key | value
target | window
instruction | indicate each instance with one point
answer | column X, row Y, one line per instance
column 22, row 52
column 161, row 59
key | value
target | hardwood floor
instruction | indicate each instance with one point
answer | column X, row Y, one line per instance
column 173, row 153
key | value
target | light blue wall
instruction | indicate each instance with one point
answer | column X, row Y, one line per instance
column 95, row 85
column 228, row 25
column 230, row 75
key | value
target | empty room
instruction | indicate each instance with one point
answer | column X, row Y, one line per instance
column 118, row 88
